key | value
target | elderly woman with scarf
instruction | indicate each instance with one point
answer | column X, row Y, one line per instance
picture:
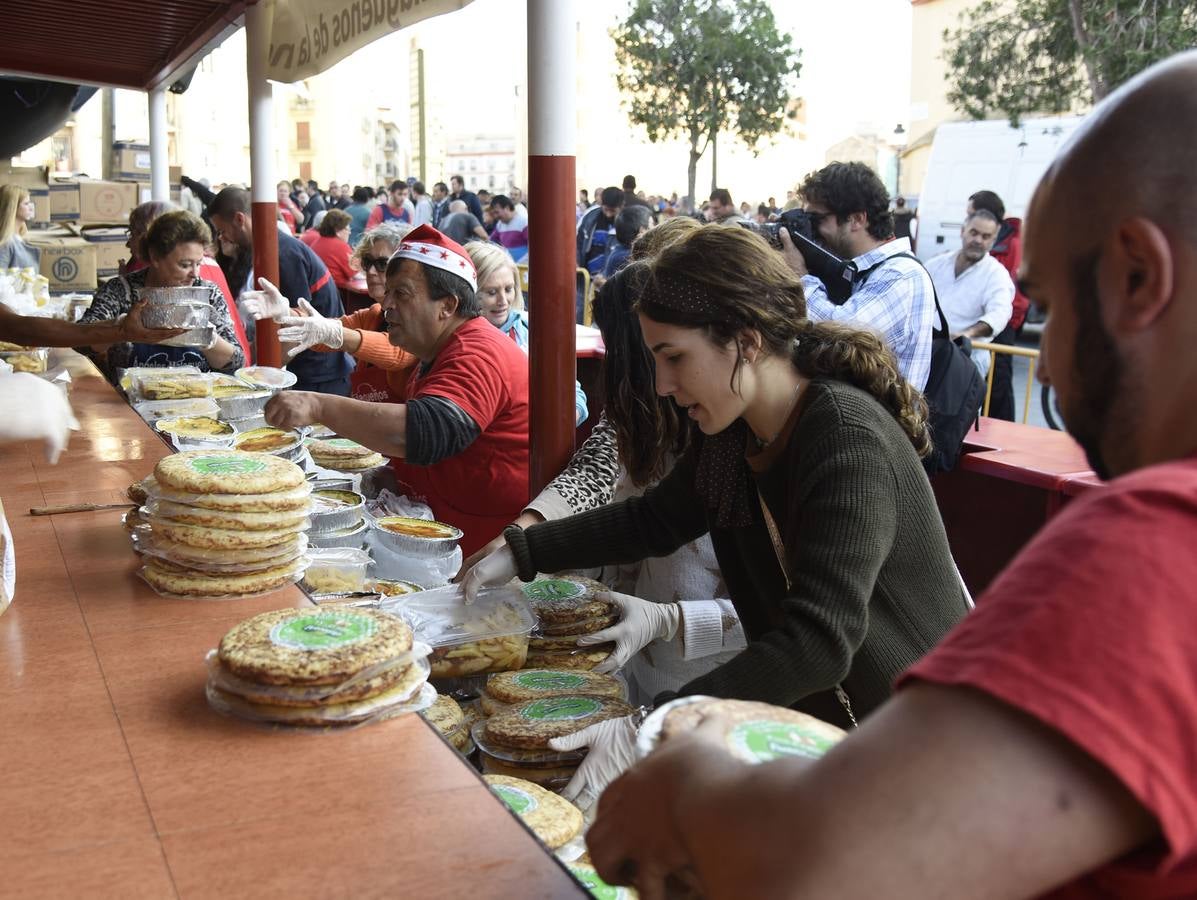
column 806, row 476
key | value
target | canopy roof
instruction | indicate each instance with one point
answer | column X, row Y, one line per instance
column 140, row 44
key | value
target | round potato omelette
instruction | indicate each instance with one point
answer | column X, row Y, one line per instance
column 220, row 518
column 172, row 580
column 553, row 819
column 306, row 646
column 227, row 472
column 532, row 725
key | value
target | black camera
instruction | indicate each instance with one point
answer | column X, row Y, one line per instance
column 836, row 274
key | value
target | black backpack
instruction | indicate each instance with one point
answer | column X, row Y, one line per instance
column 954, row 391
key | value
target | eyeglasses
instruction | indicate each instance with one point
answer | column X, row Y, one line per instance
column 377, row 263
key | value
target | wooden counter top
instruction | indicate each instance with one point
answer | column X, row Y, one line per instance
column 117, row 780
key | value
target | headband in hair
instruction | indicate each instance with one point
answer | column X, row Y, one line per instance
column 687, row 295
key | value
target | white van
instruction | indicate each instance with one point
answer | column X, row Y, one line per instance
column 967, row 157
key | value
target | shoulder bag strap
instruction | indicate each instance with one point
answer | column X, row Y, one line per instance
column 864, row 274
column 779, row 550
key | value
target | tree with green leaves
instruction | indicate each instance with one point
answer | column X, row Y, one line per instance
column 696, row 68
column 1017, row 57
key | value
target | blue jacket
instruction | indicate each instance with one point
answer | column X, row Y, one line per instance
column 301, row 273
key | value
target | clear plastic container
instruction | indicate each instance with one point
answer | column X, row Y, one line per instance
column 36, row 360
column 167, row 384
column 491, row 635
column 153, row 410
column 336, row 569
column 126, row 376
column 267, row 377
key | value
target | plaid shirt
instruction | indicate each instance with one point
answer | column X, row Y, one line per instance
column 897, row 301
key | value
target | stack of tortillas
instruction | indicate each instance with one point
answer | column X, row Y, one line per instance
column 319, row 667
column 223, row 523
column 567, row 607
column 342, row 454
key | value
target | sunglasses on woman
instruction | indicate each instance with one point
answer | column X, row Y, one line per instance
column 377, row 263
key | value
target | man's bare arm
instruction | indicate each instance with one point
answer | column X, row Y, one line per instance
column 942, row 793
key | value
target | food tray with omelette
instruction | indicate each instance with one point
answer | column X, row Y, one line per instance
column 267, row 377
column 321, row 667
column 554, row 820
column 754, row 732
column 165, row 384
column 335, row 509
column 342, row 455
column 416, row 537
column 490, row 635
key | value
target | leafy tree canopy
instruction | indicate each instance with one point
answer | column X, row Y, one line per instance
column 1018, row 57
column 694, row 68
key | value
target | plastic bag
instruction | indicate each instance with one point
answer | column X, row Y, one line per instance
column 336, row 570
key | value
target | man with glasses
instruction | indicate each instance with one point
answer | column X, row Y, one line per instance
column 849, row 209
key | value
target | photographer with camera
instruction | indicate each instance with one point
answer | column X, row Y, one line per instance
column 847, row 214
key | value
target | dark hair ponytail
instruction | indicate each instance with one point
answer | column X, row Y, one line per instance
column 861, row 359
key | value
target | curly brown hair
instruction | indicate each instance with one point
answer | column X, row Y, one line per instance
column 750, row 287
column 174, row 228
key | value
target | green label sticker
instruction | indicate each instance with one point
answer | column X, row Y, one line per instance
column 322, row 631
column 553, row 589
column 598, row 888
column 538, row 680
column 766, row 741
column 226, row 465
column 518, row 801
column 340, row 442
column 559, row 708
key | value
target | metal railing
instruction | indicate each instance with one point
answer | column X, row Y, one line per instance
column 992, row 349
column 587, row 290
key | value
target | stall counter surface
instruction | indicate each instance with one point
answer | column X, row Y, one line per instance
column 119, row 780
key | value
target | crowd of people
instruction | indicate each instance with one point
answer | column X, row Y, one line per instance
column 756, row 495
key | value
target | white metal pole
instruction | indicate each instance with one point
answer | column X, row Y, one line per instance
column 159, row 167
column 261, row 169
column 552, row 136
column 261, row 103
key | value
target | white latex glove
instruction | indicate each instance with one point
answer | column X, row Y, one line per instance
column 34, row 409
column 612, row 751
column 267, row 303
column 498, row 568
column 309, row 329
column 640, row 623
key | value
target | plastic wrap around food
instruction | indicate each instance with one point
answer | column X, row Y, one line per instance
column 754, row 733
column 166, row 384
column 336, row 570
column 335, row 509
column 153, row 410
column 299, row 695
column 275, row 441
column 294, row 499
column 222, row 518
column 222, row 586
column 537, row 759
column 416, row 537
column 364, row 713
column 211, row 563
column 35, row 360
column 491, row 635
column 125, row 376
column 267, row 377
column 179, row 314
column 360, row 599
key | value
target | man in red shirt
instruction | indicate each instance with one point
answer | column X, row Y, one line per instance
column 460, row 442
column 1047, row 746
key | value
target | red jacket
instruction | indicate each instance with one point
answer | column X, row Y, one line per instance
column 1007, row 250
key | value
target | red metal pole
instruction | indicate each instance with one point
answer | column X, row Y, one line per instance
column 265, row 215
column 551, row 268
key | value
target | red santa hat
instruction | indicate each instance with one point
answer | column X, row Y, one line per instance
column 432, row 248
